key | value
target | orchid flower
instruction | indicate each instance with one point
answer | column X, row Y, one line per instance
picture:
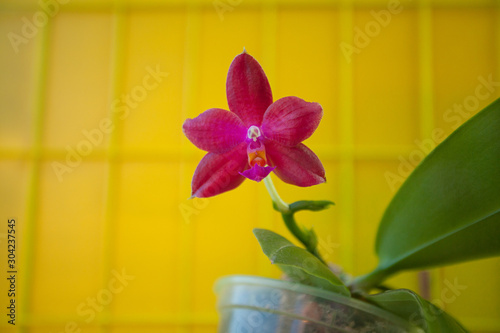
column 255, row 137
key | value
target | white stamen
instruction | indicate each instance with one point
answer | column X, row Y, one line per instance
column 253, row 133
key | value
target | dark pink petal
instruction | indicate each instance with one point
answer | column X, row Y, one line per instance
column 295, row 165
column 257, row 172
column 291, row 120
column 218, row 173
column 215, row 130
column 248, row 91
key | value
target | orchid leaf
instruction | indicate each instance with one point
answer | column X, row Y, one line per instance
column 417, row 311
column 297, row 263
column 448, row 210
column 312, row 205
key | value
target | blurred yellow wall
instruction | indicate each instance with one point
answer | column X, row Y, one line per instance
column 107, row 240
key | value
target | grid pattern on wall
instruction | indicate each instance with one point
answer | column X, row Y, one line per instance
column 115, row 231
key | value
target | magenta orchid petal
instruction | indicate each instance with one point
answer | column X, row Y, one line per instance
column 248, row 90
column 291, row 120
column 219, row 173
column 255, row 137
column 257, row 173
column 215, row 130
column 296, row 165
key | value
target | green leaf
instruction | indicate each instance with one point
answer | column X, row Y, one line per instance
column 448, row 210
column 417, row 311
column 299, row 264
column 312, row 205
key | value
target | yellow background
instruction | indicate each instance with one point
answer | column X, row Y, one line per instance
column 125, row 206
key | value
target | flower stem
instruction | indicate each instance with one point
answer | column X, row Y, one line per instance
column 279, row 204
column 369, row 281
column 306, row 238
column 302, row 236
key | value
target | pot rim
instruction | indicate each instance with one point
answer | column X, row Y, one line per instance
column 313, row 291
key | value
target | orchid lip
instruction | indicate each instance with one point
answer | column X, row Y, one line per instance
column 257, row 172
column 253, row 133
column 256, row 152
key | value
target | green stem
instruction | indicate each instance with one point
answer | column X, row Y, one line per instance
column 291, row 224
column 280, row 205
column 289, row 219
column 370, row 280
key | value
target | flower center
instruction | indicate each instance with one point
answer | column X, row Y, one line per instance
column 256, row 150
column 256, row 154
column 253, row 133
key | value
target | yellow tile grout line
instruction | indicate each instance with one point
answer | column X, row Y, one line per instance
column 117, row 77
column 269, row 39
column 426, row 109
column 30, row 228
column 481, row 324
column 37, row 151
column 497, row 41
column 205, row 319
column 155, row 5
column 187, row 153
column 190, row 88
column 122, row 320
column 267, row 216
column 346, row 201
column 425, row 70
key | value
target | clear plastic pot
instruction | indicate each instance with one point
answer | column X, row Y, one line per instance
column 250, row 304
